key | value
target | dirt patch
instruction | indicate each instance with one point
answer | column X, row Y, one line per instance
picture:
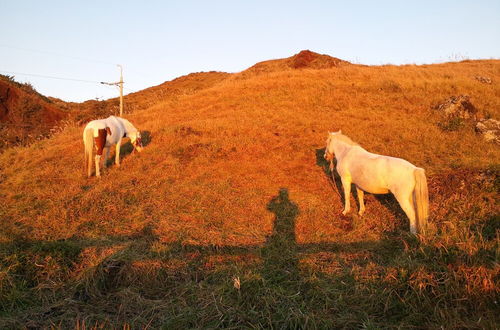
column 308, row 59
column 186, row 131
column 25, row 115
column 189, row 153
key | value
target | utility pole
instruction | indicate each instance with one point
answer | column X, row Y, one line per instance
column 121, row 90
column 120, row 85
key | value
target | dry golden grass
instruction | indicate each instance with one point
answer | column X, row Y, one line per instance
column 232, row 183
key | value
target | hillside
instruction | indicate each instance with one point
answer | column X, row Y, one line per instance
column 302, row 60
column 228, row 217
column 24, row 114
column 185, row 85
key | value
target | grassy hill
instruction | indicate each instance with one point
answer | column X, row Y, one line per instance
column 26, row 115
column 229, row 218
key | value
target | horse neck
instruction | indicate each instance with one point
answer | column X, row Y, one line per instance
column 341, row 148
column 129, row 128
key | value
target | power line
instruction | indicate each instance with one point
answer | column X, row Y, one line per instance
column 67, row 56
column 62, row 78
column 50, row 77
column 56, row 54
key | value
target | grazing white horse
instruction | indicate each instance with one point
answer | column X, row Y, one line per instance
column 379, row 174
column 103, row 133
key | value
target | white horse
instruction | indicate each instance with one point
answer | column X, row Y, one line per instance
column 103, row 133
column 379, row 174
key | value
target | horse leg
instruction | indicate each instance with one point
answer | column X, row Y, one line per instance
column 89, row 165
column 361, row 195
column 117, row 153
column 97, row 161
column 106, row 156
column 406, row 203
column 346, row 184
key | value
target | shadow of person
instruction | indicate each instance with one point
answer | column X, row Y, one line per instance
column 280, row 251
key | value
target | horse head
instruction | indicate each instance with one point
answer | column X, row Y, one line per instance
column 329, row 154
column 135, row 139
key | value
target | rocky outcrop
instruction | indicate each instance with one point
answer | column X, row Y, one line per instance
column 458, row 107
column 484, row 80
column 489, row 129
column 458, row 110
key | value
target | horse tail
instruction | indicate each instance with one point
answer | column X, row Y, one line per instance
column 88, row 142
column 421, row 199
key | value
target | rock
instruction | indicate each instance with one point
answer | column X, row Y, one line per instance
column 484, row 80
column 458, row 107
column 490, row 129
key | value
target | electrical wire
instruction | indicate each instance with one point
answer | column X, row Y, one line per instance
column 50, row 77
column 67, row 56
column 56, row 54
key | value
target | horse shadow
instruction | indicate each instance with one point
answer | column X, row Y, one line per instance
column 333, row 177
column 389, row 202
column 127, row 148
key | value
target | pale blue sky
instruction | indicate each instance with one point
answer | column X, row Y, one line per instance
column 157, row 41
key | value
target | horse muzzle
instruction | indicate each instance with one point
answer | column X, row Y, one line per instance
column 328, row 156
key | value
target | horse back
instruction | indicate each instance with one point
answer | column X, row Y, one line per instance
column 375, row 173
column 115, row 130
column 95, row 125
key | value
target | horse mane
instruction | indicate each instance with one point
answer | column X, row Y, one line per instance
column 346, row 139
column 129, row 128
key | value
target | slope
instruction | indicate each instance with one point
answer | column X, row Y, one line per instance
column 305, row 59
column 184, row 85
column 26, row 115
column 228, row 218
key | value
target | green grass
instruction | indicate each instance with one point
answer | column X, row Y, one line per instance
column 399, row 281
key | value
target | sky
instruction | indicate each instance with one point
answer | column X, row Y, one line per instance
column 157, row 41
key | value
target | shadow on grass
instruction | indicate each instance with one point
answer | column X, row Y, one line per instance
column 279, row 253
column 331, row 176
column 144, row 282
column 127, row 148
